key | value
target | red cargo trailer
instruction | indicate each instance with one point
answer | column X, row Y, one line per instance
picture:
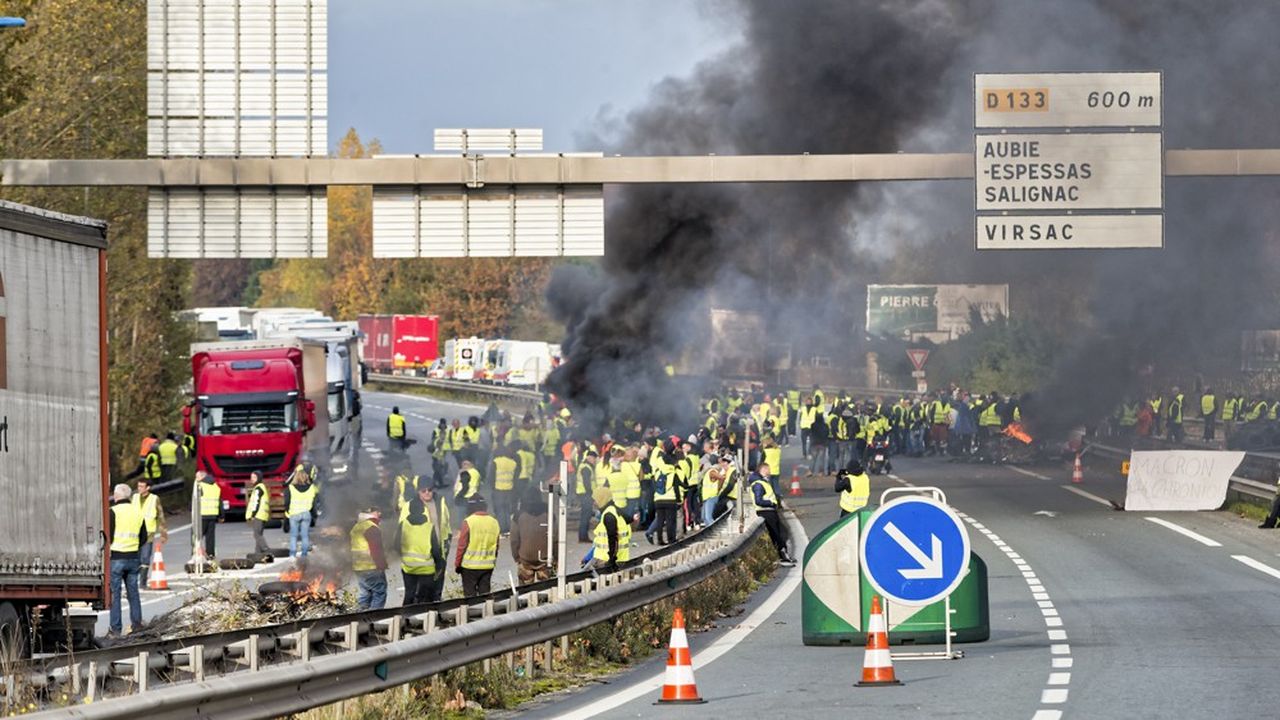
column 400, row 342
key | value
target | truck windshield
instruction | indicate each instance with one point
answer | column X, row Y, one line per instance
column 337, row 405
column 243, row 419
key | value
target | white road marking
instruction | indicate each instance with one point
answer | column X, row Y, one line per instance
column 1261, row 567
column 1047, row 715
column 1183, row 531
column 1057, row 634
column 722, row 645
column 1028, row 473
column 1054, row 696
column 1087, row 495
column 1063, row 649
column 1060, row 678
column 1063, row 662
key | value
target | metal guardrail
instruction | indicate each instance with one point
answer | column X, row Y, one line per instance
column 292, row 667
column 457, row 386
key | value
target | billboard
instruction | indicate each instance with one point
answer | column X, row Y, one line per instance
column 934, row 312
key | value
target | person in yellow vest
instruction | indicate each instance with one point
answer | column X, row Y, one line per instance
column 1173, row 416
column 633, row 468
column 257, row 512
column 153, row 466
column 612, row 539
column 808, row 416
column 772, row 455
column 210, row 511
column 712, row 478
column 728, row 497
column 397, row 431
column 584, row 485
column 168, row 450
column 403, row 491
column 466, row 486
column 528, row 463
column 369, row 560
column 938, row 412
column 127, row 529
column 436, row 507
column 299, row 503
column 767, row 506
column 505, row 469
column 420, row 553
column 1209, row 411
column 854, row 487
column 477, row 552
column 440, row 454
column 617, row 479
column 666, row 496
column 157, row 531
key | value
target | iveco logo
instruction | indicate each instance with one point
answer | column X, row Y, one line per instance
column 243, row 453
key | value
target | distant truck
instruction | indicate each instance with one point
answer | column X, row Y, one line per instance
column 254, row 408
column 464, row 358
column 400, row 343
column 522, row 362
column 53, row 426
column 344, row 377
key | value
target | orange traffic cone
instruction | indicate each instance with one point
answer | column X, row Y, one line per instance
column 1077, row 475
column 156, row 577
column 679, row 686
column 877, row 663
column 795, row 483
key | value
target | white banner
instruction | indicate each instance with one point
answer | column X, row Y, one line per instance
column 1179, row 479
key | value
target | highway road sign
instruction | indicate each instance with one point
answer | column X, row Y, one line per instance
column 1126, row 99
column 1079, row 171
column 1056, row 232
column 918, row 356
column 914, row 550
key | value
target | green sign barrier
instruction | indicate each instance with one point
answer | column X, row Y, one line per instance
column 836, row 597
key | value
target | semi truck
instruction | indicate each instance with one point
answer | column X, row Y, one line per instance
column 400, row 343
column 254, row 408
column 54, row 555
column 344, row 376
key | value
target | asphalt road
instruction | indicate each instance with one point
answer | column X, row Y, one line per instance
column 234, row 538
column 1095, row 613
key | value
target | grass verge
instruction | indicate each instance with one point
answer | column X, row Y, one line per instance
column 1249, row 510
column 601, row 649
column 513, row 405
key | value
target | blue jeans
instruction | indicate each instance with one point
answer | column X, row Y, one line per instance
column 299, row 527
column 145, row 552
column 709, row 510
column 124, row 571
column 372, row 589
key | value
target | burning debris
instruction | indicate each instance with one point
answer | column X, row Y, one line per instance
column 1017, row 432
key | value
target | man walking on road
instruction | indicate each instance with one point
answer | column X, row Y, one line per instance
column 436, row 506
column 397, row 430
column 529, row 538
column 477, row 552
column 368, row 560
column 157, row 532
column 127, row 529
column 767, row 506
column 299, row 504
column 420, row 554
column 258, row 511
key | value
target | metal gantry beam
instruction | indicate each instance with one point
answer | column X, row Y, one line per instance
column 478, row 171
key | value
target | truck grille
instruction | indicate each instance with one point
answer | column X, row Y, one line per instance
column 232, row 465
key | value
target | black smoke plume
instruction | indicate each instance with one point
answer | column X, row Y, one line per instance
column 895, row 75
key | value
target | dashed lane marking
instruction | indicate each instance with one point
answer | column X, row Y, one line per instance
column 1059, row 651
column 1028, row 473
column 1086, row 495
column 1185, row 532
column 1259, row 566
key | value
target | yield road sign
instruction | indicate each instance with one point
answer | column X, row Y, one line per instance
column 917, row 357
column 914, row 550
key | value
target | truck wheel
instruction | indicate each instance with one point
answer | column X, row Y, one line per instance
column 12, row 638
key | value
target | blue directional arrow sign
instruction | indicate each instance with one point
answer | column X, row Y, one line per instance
column 914, row 550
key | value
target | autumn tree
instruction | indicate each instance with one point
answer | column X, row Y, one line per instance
column 73, row 85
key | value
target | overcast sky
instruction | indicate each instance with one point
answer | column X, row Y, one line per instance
column 400, row 68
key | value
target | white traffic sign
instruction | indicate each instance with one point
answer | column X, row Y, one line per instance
column 1067, row 100
column 1057, row 232
column 914, row 551
column 1079, row 171
column 918, row 356
column 918, row 374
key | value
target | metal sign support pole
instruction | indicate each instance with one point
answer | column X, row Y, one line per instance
column 562, row 561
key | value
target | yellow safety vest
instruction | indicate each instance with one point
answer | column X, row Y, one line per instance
column 168, row 452
column 730, row 481
column 710, row 486
column 527, row 461
column 808, row 415
column 617, row 482
column 210, row 499
column 150, row 510
column 773, row 458
column 941, row 413
column 769, row 495
column 151, row 466
column 504, row 473
column 395, row 426
column 601, row 537
column 473, row 483
column 482, row 542
column 361, row 557
column 633, row 471
column 990, row 416
column 259, row 503
column 858, row 494
column 581, row 487
column 301, row 501
column 415, row 548
column 442, row 517
column 666, row 473
column 1206, row 404
column 129, row 522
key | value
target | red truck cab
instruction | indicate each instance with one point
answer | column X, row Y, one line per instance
column 250, row 412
